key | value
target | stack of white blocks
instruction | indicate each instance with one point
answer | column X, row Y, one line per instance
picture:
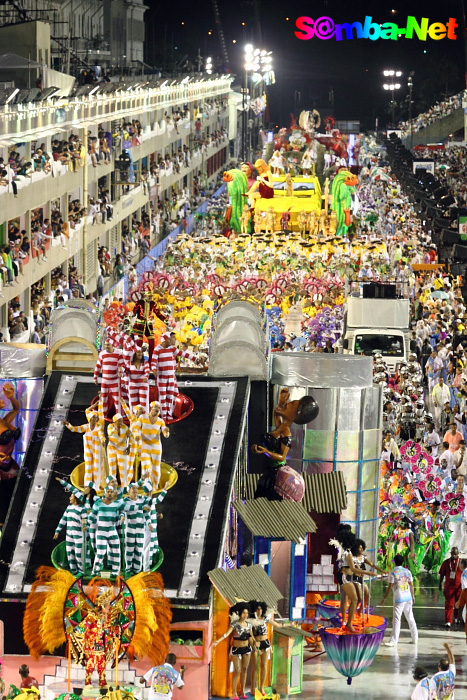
column 322, row 576
column 126, row 677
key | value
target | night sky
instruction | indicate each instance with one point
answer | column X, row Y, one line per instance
column 307, row 70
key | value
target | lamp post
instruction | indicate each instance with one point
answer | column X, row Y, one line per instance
column 410, row 86
column 258, row 64
column 392, row 86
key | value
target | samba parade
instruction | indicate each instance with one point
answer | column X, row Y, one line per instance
column 233, row 420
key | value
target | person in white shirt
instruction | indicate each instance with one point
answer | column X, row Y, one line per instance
column 460, row 459
column 163, row 678
column 446, row 676
column 401, row 583
column 425, row 688
column 447, row 456
column 440, row 394
column 432, row 440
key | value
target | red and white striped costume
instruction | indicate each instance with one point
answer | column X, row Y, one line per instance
column 164, row 365
column 127, row 346
column 108, row 364
column 138, row 383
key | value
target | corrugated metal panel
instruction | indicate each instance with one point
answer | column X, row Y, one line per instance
column 246, row 583
column 90, row 261
column 282, row 519
column 324, row 493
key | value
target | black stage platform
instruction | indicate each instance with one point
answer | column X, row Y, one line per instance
column 188, row 444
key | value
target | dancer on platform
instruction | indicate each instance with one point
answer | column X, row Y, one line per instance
column 261, row 617
column 106, row 515
column 136, row 516
column 346, row 570
column 120, row 450
column 164, row 365
column 135, row 426
column 93, row 441
column 108, row 364
column 137, row 374
column 243, row 644
column 153, row 517
column 73, row 519
column 151, row 426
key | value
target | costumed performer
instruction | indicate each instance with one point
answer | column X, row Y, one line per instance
column 346, row 570
column 261, row 617
column 106, row 515
column 120, row 450
column 135, row 426
column 107, row 365
column 361, row 561
column 93, row 441
column 137, row 374
column 74, row 519
column 243, row 644
column 153, row 517
column 9, row 434
column 263, row 187
column 135, row 514
column 278, row 442
column 151, row 426
column 164, row 365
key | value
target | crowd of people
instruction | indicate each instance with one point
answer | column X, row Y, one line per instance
column 433, row 114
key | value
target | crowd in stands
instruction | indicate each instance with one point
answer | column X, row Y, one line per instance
column 434, row 114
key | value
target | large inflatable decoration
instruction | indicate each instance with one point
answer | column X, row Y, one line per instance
column 237, row 186
column 343, row 187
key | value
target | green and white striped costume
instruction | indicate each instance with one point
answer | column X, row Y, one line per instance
column 154, row 544
column 104, row 520
column 136, row 518
column 72, row 519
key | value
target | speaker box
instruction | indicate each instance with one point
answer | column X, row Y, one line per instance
column 449, row 237
column 460, row 252
column 374, row 290
column 459, row 269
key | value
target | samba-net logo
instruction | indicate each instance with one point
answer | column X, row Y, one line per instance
column 326, row 28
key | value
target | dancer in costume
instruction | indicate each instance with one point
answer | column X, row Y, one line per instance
column 73, row 519
column 105, row 517
column 243, row 644
column 164, row 365
column 120, row 450
column 137, row 373
column 135, row 426
column 361, row 561
column 153, row 516
column 136, row 516
column 261, row 617
column 108, row 364
column 151, row 426
column 346, row 570
column 89, row 495
column 93, row 441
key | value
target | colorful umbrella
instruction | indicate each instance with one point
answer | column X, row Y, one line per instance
column 351, row 653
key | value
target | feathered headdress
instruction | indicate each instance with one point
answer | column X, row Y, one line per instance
column 43, row 627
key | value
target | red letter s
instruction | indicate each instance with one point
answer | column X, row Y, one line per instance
column 306, row 25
